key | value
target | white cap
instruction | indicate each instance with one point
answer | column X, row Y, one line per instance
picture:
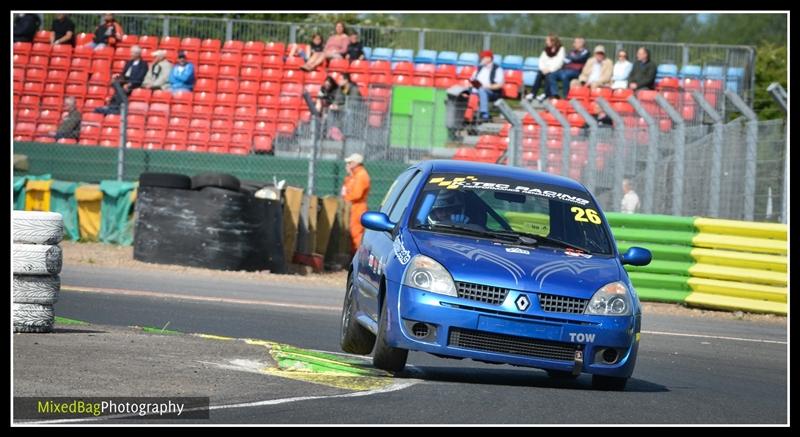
column 355, row 157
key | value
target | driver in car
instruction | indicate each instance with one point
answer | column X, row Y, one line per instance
column 448, row 208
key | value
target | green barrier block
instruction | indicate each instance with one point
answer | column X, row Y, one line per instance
column 116, row 223
column 658, row 295
column 661, row 252
column 653, row 236
column 663, row 268
column 62, row 200
column 651, row 221
column 659, row 281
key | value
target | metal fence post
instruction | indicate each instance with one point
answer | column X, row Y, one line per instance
column 293, row 34
column 228, row 29
column 421, row 40
column 542, row 133
column 566, row 138
column 716, row 154
column 679, row 158
column 487, row 41
column 684, row 54
column 515, row 136
column 123, row 129
column 652, row 156
column 619, row 147
column 750, row 154
column 591, row 175
column 165, row 26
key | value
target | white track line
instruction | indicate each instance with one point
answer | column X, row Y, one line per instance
column 718, row 337
column 391, row 388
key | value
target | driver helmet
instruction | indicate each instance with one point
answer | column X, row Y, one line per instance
column 447, row 203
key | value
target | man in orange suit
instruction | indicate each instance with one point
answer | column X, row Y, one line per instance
column 355, row 190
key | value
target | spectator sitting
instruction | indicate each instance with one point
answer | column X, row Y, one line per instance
column 622, row 69
column 550, row 61
column 25, row 27
column 107, row 33
column 63, row 31
column 597, row 71
column 643, row 74
column 70, row 127
column 181, row 78
column 487, row 82
column 316, row 47
column 355, row 50
column 157, row 77
column 132, row 76
column 335, row 48
column 573, row 64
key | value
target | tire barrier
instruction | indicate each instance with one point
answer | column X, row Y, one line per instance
column 218, row 180
column 36, row 263
column 212, row 228
column 720, row 264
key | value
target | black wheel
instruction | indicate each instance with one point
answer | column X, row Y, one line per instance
column 385, row 357
column 355, row 338
column 601, row 382
column 217, row 180
column 165, row 180
column 561, row 374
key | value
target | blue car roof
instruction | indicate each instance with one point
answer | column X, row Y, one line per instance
column 479, row 168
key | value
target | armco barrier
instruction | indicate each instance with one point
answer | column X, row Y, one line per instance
column 722, row 264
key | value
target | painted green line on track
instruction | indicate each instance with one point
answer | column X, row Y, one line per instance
column 66, row 321
column 151, row 330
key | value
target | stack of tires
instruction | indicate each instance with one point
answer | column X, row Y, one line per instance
column 36, row 263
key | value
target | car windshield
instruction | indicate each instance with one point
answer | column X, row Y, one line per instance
column 513, row 210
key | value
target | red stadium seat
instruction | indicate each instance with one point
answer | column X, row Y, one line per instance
column 225, row 99
column 201, row 111
column 27, row 101
column 159, row 109
column 29, row 115
column 272, row 61
column 233, row 46
column 140, row 95
column 359, row 66
column 213, row 45
column 207, row 72
column 295, row 76
column 97, row 92
column 295, row 62
column 127, row 40
column 265, row 114
column 106, row 53
column 41, row 48
column 22, row 48
column 33, row 88
column 274, row 48
column 669, row 84
column 227, row 85
column 148, row 42
column 254, row 47
column 35, row 74
column 291, row 89
column 228, row 72
column 117, row 67
column 401, row 79
column 208, row 58
column 423, row 81
column 248, row 87
column 248, row 100
column 250, row 73
column 111, row 120
column 80, row 64
column 205, row 85
column 184, row 97
column 199, row 125
column 59, row 63
column 251, row 60
column 100, row 78
column 271, row 74
column 122, row 53
column 136, row 120
column 20, row 60
column 83, row 52
column 169, row 43
column 156, row 122
column 425, row 70
column 339, row 65
column 262, row 143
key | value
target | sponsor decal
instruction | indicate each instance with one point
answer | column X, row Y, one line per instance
column 400, row 251
column 451, row 184
column 474, row 254
column 577, row 267
column 575, row 252
column 579, row 337
column 472, row 182
column 518, row 250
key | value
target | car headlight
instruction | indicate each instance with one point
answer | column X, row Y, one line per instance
column 426, row 274
column 611, row 300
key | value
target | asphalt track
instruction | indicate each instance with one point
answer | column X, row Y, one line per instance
column 690, row 370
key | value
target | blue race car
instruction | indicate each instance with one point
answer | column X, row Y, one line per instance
column 497, row 264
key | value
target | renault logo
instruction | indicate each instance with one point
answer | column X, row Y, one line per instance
column 522, row 302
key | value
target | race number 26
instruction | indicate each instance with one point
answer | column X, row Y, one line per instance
column 586, row 215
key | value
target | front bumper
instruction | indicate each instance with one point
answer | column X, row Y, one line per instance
column 501, row 334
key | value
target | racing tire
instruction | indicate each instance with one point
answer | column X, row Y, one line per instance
column 165, row 180
column 33, row 317
column 37, row 227
column 36, row 259
column 355, row 339
column 386, row 357
column 561, row 374
column 218, row 180
column 610, row 383
column 41, row 290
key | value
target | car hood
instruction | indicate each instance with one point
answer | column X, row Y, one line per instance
column 501, row 264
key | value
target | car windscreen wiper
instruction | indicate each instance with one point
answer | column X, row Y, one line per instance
column 469, row 230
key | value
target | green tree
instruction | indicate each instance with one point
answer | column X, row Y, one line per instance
column 770, row 67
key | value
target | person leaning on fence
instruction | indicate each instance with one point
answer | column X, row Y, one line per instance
column 107, row 33
column 181, row 77
column 63, row 31
column 157, row 77
column 573, row 65
column 70, row 126
column 25, row 27
column 643, row 74
column 597, row 71
column 630, row 200
column 622, row 70
column 326, row 94
column 335, row 48
column 550, row 61
column 355, row 190
column 487, row 82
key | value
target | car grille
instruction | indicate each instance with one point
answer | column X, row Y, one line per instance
column 481, row 293
column 562, row 304
column 508, row 344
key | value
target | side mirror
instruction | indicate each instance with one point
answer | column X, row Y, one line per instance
column 637, row 256
column 377, row 221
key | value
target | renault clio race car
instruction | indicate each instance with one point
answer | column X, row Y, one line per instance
column 497, row 264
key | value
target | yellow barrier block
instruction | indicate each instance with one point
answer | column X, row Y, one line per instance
column 736, row 303
column 37, row 195
column 738, row 274
column 744, row 244
column 759, row 261
column 738, row 289
column 89, row 199
column 741, row 228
